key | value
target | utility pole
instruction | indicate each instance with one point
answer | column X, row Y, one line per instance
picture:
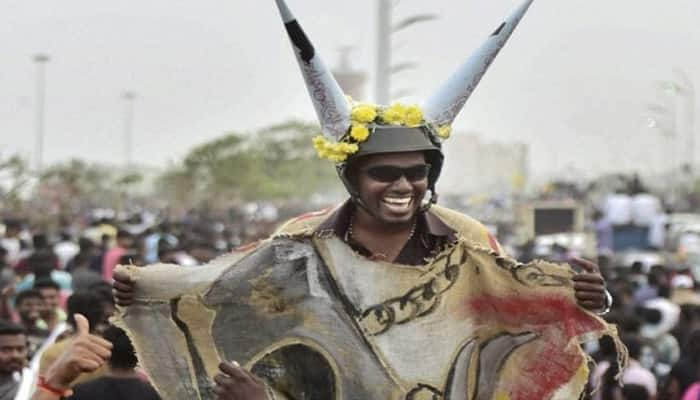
column 385, row 29
column 383, row 73
column 40, row 61
column 686, row 90
column 129, row 98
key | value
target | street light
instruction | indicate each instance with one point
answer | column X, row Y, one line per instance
column 40, row 61
column 129, row 98
column 384, row 32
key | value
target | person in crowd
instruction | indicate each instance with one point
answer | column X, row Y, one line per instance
column 152, row 242
column 83, row 276
column 125, row 242
column 635, row 374
column 11, row 240
column 87, row 252
column 42, row 266
column 29, row 305
column 121, row 380
column 7, row 274
column 85, row 353
column 42, row 255
column 104, row 291
column 65, row 249
column 52, row 314
column 88, row 305
column 686, row 371
column 13, row 358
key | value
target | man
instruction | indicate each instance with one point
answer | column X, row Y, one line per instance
column 29, row 305
column 13, row 358
column 121, row 380
column 87, row 304
column 52, row 315
column 11, row 240
column 386, row 296
column 634, row 374
column 85, row 353
column 125, row 241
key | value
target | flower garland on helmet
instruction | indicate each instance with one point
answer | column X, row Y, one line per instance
column 364, row 114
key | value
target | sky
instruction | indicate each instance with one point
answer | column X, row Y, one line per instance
column 574, row 82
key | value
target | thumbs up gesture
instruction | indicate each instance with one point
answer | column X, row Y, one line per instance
column 85, row 353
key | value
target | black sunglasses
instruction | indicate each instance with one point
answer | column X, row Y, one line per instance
column 391, row 173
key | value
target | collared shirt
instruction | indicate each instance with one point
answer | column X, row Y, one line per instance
column 431, row 235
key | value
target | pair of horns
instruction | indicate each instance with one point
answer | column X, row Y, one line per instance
column 441, row 108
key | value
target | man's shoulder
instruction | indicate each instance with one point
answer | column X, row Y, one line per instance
column 466, row 227
column 305, row 224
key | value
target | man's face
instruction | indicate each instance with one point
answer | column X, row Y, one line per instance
column 13, row 353
column 51, row 298
column 29, row 309
column 392, row 199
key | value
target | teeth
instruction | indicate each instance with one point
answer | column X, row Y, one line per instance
column 397, row 200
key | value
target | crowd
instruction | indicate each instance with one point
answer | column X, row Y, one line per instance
column 47, row 278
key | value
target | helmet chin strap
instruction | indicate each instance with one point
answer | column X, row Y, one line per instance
column 432, row 200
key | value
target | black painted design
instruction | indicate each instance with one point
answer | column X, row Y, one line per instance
column 455, row 389
column 531, row 274
column 424, row 392
column 493, row 355
column 417, row 302
column 303, row 372
column 300, row 41
column 499, row 29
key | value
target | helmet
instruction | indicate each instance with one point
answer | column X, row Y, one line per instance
column 351, row 131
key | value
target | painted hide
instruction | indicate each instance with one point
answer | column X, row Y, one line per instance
column 317, row 321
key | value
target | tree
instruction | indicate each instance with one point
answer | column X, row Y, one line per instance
column 274, row 163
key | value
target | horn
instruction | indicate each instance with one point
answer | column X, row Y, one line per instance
column 331, row 105
column 444, row 105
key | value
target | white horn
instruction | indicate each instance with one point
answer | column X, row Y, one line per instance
column 329, row 100
column 445, row 104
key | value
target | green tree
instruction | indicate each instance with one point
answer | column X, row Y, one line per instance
column 275, row 163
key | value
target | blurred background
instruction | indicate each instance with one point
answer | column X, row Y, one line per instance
column 177, row 130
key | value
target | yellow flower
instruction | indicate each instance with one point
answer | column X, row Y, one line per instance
column 348, row 148
column 364, row 113
column 414, row 116
column 359, row 132
column 395, row 115
column 444, row 131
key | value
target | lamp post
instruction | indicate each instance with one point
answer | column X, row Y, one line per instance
column 40, row 61
column 385, row 29
column 129, row 98
column 684, row 88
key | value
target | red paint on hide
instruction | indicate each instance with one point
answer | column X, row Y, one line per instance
column 312, row 214
column 557, row 320
column 493, row 242
column 247, row 247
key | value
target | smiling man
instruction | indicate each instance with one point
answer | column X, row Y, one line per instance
column 13, row 357
column 387, row 295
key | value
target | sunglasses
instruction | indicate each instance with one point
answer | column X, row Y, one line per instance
column 390, row 173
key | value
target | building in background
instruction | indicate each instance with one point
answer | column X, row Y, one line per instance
column 352, row 81
column 476, row 166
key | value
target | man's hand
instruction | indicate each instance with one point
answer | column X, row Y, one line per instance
column 123, row 288
column 85, row 353
column 589, row 286
column 235, row 383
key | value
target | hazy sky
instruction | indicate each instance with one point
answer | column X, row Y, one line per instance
column 574, row 81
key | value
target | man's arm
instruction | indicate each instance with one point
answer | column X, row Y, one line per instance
column 86, row 353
